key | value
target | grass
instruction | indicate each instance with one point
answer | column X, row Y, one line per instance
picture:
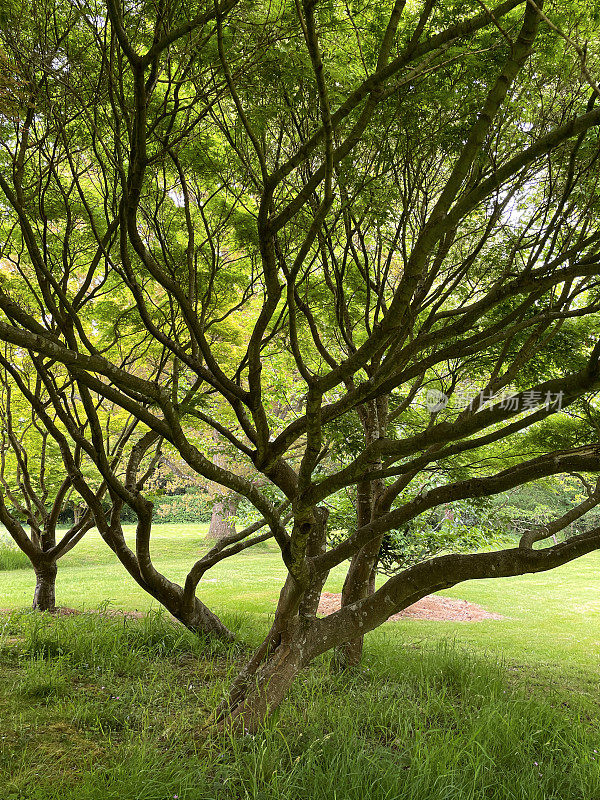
column 559, row 610
column 95, row 706
column 11, row 557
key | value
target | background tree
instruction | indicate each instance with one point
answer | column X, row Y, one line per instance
column 36, row 491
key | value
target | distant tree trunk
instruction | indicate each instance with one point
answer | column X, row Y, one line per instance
column 225, row 505
column 78, row 512
column 44, row 597
column 221, row 524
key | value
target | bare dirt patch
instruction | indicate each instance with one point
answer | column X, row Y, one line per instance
column 434, row 607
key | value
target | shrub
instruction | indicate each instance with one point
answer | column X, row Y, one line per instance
column 182, row 508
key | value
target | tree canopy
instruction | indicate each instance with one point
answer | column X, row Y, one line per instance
column 358, row 245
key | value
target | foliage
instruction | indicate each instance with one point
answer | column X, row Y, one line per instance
column 540, row 502
column 186, row 507
column 423, row 539
column 458, row 527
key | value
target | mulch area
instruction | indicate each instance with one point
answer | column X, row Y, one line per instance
column 434, row 607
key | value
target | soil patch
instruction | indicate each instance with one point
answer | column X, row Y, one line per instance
column 435, row 607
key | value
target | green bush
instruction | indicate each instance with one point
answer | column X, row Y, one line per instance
column 182, row 508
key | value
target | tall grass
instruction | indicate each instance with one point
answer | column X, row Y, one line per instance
column 100, row 707
column 11, row 557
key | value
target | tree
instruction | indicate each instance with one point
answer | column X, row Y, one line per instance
column 400, row 202
column 119, row 458
column 33, row 480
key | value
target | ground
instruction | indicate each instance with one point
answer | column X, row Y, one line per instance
column 433, row 607
column 100, row 706
column 551, row 619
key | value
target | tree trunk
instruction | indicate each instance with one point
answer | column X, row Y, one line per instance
column 360, row 579
column 201, row 620
column 220, row 524
column 225, row 504
column 44, row 597
column 78, row 511
column 191, row 612
column 317, row 545
column 266, row 679
column 264, row 694
column 359, row 583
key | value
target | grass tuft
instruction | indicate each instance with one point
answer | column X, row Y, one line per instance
column 42, row 679
column 11, row 558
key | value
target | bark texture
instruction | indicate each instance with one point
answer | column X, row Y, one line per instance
column 360, row 578
column 221, row 524
column 44, row 596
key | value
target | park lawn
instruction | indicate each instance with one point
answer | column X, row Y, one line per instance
column 98, row 708
column 551, row 620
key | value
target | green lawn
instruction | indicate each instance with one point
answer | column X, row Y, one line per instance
column 551, row 619
column 98, row 708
